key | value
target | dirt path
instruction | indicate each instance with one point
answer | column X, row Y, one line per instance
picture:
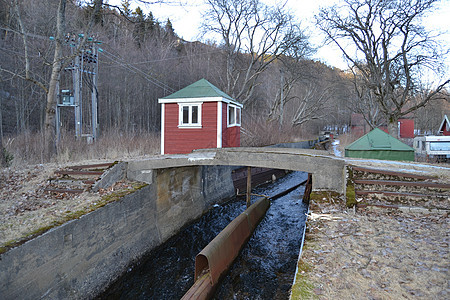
column 376, row 254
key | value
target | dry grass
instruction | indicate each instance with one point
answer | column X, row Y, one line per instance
column 27, row 148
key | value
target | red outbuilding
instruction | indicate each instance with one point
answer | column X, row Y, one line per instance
column 199, row 116
column 359, row 126
column 444, row 129
column 406, row 128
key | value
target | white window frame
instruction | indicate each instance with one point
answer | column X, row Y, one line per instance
column 237, row 121
column 189, row 124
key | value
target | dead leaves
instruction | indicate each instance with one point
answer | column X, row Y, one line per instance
column 354, row 255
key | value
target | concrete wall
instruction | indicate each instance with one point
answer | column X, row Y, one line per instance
column 328, row 171
column 80, row 258
column 185, row 193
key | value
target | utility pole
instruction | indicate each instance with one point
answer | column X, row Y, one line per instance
column 86, row 62
column 77, row 78
column 94, row 96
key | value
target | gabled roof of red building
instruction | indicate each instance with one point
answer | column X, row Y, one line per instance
column 199, row 89
column 446, row 123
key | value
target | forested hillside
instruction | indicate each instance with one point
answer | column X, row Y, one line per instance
column 142, row 59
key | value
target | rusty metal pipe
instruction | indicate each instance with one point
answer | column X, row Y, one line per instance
column 215, row 259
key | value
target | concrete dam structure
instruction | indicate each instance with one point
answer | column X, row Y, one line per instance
column 78, row 259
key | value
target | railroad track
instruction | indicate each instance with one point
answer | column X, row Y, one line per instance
column 76, row 179
column 394, row 189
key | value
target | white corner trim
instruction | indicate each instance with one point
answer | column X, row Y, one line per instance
column 219, row 124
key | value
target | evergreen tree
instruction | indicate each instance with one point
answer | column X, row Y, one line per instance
column 140, row 27
column 169, row 29
column 150, row 22
column 126, row 9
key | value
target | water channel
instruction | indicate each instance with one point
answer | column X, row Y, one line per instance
column 264, row 269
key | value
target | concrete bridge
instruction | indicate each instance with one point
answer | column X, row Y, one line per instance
column 328, row 171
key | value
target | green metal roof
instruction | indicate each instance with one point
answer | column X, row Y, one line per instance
column 199, row 89
column 377, row 139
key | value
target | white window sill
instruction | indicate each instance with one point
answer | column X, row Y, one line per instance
column 190, row 126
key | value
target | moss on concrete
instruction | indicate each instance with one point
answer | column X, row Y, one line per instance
column 303, row 287
column 69, row 215
column 350, row 195
column 324, row 196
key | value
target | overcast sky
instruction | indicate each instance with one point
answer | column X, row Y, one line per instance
column 186, row 21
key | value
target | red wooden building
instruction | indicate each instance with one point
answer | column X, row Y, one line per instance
column 406, row 128
column 360, row 127
column 444, row 128
column 199, row 116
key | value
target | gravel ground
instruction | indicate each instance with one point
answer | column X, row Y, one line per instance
column 375, row 253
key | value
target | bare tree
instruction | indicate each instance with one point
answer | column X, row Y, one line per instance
column 253, row 36
column 283, row 95
column 428, row 119
column 385, row 42
column 57, row 65
column 2, row 151
column 311, row 104
column 364, row 102
column 291, row 72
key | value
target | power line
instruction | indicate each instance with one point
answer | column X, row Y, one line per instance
column 174, row 58
column 38, row 36
column 136, row 70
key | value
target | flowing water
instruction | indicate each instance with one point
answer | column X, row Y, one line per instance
column 264, row 269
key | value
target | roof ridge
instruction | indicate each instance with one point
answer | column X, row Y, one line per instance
column 377, row 139
column 199, row 89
